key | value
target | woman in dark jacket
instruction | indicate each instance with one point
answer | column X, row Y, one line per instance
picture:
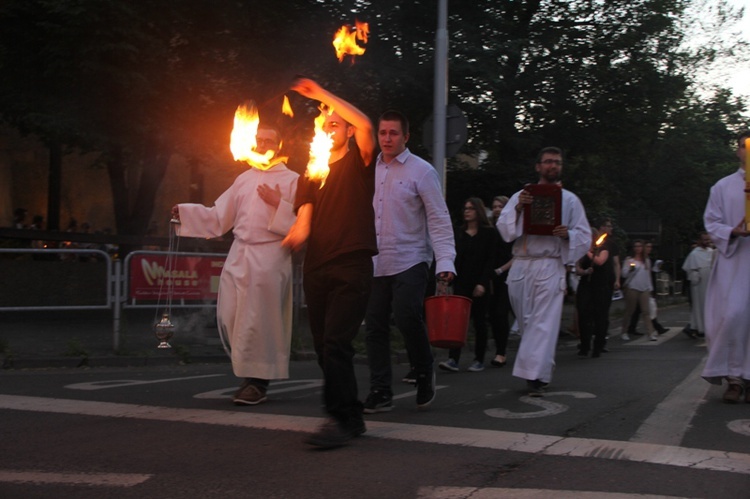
column 476, row 243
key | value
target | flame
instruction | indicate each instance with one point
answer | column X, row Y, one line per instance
column 320, row 150
column 286, row 108
column 242, row 141
column 363, row 30
column 345, row 40
column 601, row 240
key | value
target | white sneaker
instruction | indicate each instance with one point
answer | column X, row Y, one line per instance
column 653, row 337
column 625, row 337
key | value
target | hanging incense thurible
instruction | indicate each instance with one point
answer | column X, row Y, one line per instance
column 164, row 330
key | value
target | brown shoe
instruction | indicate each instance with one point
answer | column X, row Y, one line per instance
column 242, row 387
column 250, row 395
column 732, row 395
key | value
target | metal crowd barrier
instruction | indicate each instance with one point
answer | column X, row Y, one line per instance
column 20, row 285
column 42, row 260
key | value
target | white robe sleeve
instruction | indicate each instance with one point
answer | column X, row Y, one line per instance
column 724, row 211
column 509, row 223
column 197, row 220
column 579, row 230
column 283, row 219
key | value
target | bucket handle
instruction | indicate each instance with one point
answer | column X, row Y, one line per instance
column 443, row 287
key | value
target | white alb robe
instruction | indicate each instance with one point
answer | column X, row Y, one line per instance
column 254, row 306
column 697, row 266
column 727, row 314
column 536, row 282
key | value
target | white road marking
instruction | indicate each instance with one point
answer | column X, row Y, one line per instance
column 508, row 493
column 670, row 420
column 645, row 340
column 549, row 408
column 103, row 479
column 118, row 383
column 413, row 393
column 731, row 462
column 299, row 384
column 741, row 426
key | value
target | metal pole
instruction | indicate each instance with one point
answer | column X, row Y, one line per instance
column 116, row 306
column 440, row 102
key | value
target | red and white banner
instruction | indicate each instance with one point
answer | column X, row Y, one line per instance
column 191, row 278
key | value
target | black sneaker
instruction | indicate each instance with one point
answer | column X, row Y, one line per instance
column 536, row 388
column 410, row 378
column 425, row 389
column 689, row 332
column 378, row 401
column 335, row 434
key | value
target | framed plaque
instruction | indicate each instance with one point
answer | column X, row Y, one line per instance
column 545, row 211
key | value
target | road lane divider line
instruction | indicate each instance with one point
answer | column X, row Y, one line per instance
column 706, row 459
column 118, row 383
column 671, row 418
column 39, row 477
column 511, row 493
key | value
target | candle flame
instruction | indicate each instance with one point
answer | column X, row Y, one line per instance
column 320, row 150
column 601, row 240
column 345, row 40
column 242, row 141
column 286, row 108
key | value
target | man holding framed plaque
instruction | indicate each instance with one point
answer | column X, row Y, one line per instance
column 548, row 227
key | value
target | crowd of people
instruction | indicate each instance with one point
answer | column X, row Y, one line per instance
column 376, row 234
column 38, row 224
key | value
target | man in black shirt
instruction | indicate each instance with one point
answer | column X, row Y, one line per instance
column 335, row 218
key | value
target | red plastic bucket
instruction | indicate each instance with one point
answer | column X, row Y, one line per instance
column 447, row 318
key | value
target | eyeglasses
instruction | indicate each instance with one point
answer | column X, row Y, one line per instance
column 552, row 162
column 269, row 142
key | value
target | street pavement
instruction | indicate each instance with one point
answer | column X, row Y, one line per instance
column 637, row 422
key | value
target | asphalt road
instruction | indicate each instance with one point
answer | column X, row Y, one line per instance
column 638, row 421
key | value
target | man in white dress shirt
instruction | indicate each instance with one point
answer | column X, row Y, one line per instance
column 412, row 224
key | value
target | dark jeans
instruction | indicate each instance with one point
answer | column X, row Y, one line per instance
column 593, row 305
column 499, row 315
column 403, row 295
column 478, row 320
column 336, row 296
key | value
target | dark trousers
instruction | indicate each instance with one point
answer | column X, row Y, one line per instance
column 403, row 295
column 336, row 296
column 478, row 320
column 498, row 308
column 593, row 305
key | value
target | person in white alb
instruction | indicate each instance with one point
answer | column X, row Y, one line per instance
column 726, row 314
column 537, row 279
column 697, row 266
column 254, row 306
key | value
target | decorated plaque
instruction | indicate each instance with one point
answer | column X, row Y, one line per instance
column 544, row 213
